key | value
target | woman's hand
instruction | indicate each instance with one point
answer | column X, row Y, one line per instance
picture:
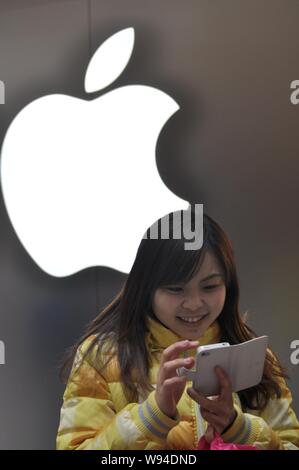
column 219, row 411
column 170, row 386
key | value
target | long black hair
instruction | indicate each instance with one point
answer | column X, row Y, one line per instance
column 123, row 323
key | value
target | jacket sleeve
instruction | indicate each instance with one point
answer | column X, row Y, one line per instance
column 274, row 428
column 89, row 420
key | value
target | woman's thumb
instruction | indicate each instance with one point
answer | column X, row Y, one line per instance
column 209, row 434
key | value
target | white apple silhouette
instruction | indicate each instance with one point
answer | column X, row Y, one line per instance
column 79, row 178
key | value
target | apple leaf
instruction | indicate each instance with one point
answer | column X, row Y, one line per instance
column 109, row 60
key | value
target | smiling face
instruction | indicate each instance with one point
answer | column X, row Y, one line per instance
column 188, row 309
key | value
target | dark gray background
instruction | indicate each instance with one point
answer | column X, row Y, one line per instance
column 233, row 146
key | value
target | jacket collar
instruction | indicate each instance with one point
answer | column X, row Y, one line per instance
column 160, row 337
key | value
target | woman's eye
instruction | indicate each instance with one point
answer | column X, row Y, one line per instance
column 211, row 286
column 174, row 289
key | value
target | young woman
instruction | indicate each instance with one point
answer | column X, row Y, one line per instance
column 123, row 391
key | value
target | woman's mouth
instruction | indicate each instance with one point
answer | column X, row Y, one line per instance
column 191, row 321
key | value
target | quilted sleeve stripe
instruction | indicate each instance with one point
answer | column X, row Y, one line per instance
column 152, row 421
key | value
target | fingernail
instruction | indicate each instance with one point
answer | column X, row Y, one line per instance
column 188, row 360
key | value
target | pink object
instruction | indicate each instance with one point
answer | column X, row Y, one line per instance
column 218, row 444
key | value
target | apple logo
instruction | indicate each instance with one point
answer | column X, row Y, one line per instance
column 79, row 177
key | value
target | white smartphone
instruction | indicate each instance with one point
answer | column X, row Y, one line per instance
column 243, row 363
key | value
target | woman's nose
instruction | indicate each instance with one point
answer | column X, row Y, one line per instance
column 193, row 302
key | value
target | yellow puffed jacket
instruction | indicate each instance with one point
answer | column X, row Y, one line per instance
column 96, row 415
